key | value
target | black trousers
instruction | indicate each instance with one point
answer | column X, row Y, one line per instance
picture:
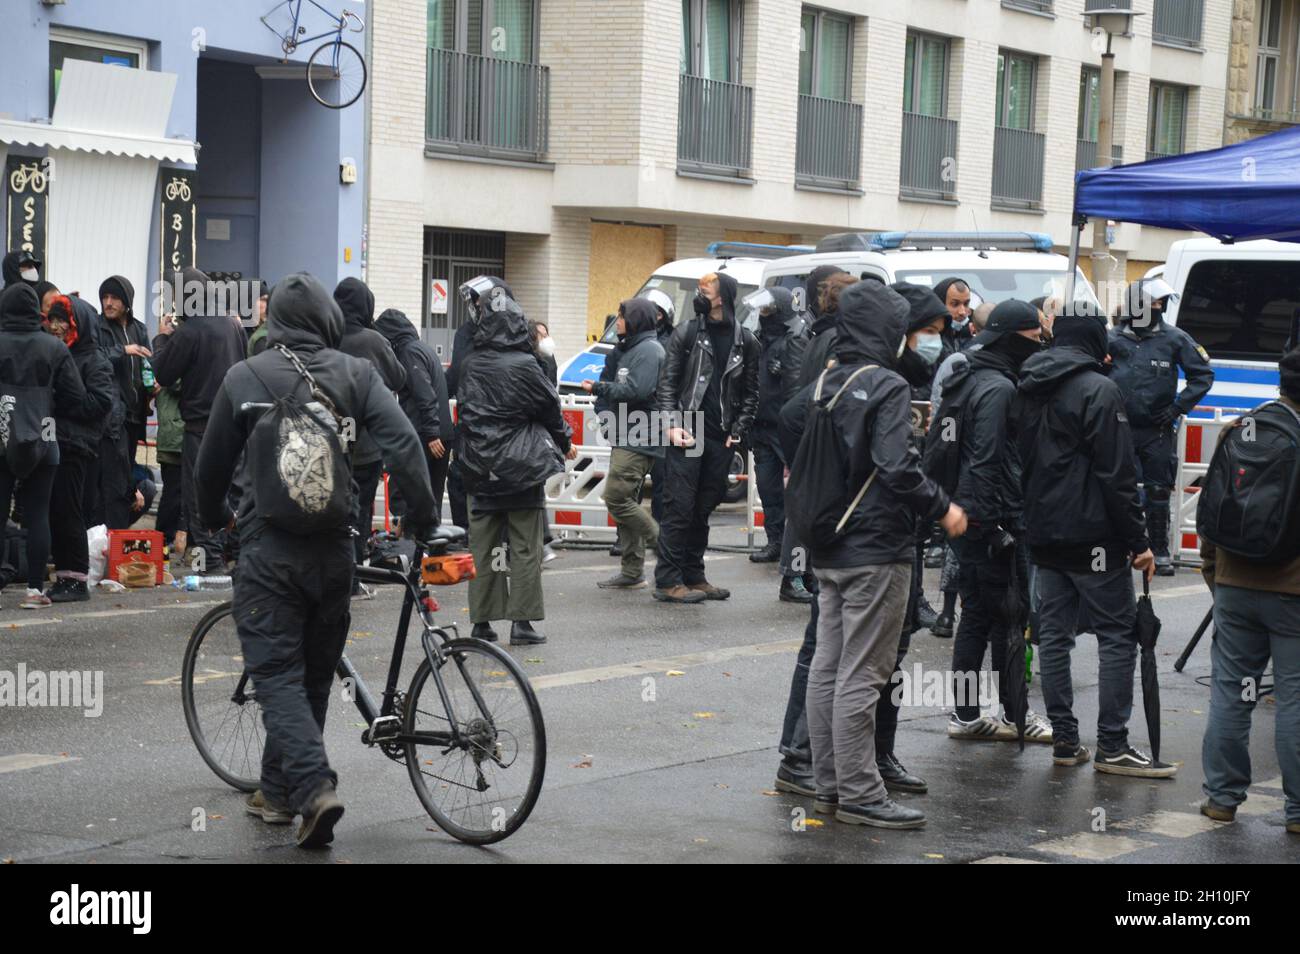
column 695, row 481
column 458, row 498
column 169, row 507
column 67, row 521
column 199, row 536
column 292, row 604
column 109, row 491
column 983, row 582
column 34, row 497
column 1157, row 462
column 437, row 480
column 367, row 477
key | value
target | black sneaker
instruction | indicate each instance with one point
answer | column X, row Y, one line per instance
column 882, row 814
column 926, row 617
column 1130, row 761
column 321, row 813
column 68, row 591
column 620, row 582
column 793, row 590
column 1070, row 753
column 616, row 549
column 485, row 632
column 796, row 783
column 897, row 778
column 944, row 626
column 523, row 634
column 826, row 803
column 1164, row 566
column 769, row 554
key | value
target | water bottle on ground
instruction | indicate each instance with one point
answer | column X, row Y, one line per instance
column 194, row 583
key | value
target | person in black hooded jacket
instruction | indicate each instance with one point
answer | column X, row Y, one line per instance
column 124, row 340
column 361, row 340
column 708, row 392
column 196, row 354
column 1085, row 527
column 864, row 574
column 512, row 438
column 40, row 378
column 821, row 326
column 18, row 262
column 423, row 397
column 291, row 597
column 73, row 321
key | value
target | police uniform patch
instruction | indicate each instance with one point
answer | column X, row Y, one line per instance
column 1201, row 351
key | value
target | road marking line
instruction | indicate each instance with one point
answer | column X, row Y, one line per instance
column 1092, row 846
column 1181, row 591
column 579, row 677
column 28, row 760
column 106, row 614
column 1269, row 783
column 42, row 621
column 1173, row 824
column 1005, row 860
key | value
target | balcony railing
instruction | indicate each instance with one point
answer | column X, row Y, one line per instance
column 1085, row 155
column 929, row 162
column 1018, row 167
column 830, row 142
column 1033, row 6
column 1177, row 22
column 1279, row 116
column 1160, row 155
column 715, row 122
column 480, row 105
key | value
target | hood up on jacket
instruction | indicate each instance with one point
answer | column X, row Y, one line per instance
column 396, row 327
column 872, row 325
column 813, row 284
column 302, row 316
column 357, row 302
column 1043, row 373
column 20, row 309
column 122, row 288
column 923, row 305
column 778, row 322
column 84, row 317
column 502, row 324
column 639, row 316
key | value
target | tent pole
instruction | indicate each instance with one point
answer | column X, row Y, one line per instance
column 1074, row 262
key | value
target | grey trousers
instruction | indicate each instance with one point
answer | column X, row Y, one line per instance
column 1249, row 627
column 507, row 548
column 861, row 615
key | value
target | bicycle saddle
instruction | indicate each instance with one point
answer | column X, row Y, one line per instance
column 442, row 537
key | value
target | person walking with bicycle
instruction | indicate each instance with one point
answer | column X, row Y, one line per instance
column 295, row 408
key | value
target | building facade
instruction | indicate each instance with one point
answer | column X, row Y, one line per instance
column 173, row 132
column 573, row 145
column 1263, row 92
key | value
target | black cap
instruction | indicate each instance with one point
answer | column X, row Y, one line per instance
column 1009, row 316
column 27, row 258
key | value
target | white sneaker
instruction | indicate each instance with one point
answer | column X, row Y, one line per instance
column 363, row 592
column 34, row 599
column 549, row 554
column 981, row 729
column 1037, row 728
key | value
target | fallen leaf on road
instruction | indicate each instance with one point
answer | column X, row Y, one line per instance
column 700, row 841
column 702, row 715
column 585, row 763
column 721, row 785
column 814, row 823
column 533, row 659
column 727, row 674
column 670, row 672
column 770, row 793
column 216, row 817
column 496, row 672
column 930, row 854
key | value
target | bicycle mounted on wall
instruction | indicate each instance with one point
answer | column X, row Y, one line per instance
column 334, row 62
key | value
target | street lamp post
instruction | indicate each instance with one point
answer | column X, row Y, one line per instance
column 1111, row 17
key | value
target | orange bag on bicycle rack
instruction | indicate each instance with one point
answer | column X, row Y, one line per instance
column 447, row 570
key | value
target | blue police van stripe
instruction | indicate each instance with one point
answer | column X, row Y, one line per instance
column 585, row 367
column 1267, row 376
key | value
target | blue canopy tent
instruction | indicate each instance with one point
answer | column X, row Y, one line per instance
column 1249, row 190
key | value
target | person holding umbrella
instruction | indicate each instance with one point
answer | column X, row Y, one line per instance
column 1086, row 528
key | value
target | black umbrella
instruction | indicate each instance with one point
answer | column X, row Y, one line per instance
column 1148, row 630
column 1011, row 624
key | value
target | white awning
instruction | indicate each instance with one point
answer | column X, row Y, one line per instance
column 113, row 110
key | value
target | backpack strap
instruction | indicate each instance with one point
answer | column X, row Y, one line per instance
column 830, row 404
column 323, row 398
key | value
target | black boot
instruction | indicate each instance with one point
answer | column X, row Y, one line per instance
column 793, row 591
column 523, row 634
column 769, row 554
column 899, row 779
column 926, row 617
column 485, row 632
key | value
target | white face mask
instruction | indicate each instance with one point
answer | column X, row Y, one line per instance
column 30, row 275
column 546, row 347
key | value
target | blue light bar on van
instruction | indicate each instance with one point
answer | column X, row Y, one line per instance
column 754, row 250
column 884, row 241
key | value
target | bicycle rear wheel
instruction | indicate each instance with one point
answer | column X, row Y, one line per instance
column 336, row 74
column 482, row 790
column 221, row 708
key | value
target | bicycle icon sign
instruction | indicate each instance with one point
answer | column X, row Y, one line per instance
column 27, row 175
column 178, row 189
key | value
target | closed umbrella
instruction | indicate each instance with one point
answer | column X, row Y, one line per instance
column 1148, row 630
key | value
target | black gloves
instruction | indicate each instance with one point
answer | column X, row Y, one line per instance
column 1165, row 416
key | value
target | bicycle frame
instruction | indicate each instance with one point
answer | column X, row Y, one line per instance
column 340, row 24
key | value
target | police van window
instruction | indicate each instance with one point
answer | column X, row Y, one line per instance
column 999, row 284
column 1240, row 310
column 682, row 291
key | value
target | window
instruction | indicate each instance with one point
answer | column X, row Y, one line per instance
column 1089, row 103
column 502, row 29
column 1241, row 310
column 1015, row 90
column 711, row 31
column 94, row 48
column 1268, row 55
column 1166, row 120
column 825, row 54
column 925, row 75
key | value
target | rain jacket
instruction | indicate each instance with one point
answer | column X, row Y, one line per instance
column 83, row 434
column 424, row 395
column 512, row 436
column 625, row 395
column 783, row 339
column 989, row 486
column 361, row 340
column 1146, row 370
column 127, row 369
column 197, row 355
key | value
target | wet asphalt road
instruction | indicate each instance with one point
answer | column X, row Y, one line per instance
column 685, row 777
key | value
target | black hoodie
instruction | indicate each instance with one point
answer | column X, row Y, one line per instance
column 1079, row 479
column 424, row 395
column 10, row 270
column 83, row 434
column 304, row 318
column 197, row 355
column 625, row 395
column 875, row 418
column 783, row 338
column 821, row 328
column 127, row 369
column 361, row 340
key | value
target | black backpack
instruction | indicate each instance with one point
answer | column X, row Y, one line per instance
column 816, row 495
column 298, row 466
column 941, row 459
column 24, row 418
column 1250, row 498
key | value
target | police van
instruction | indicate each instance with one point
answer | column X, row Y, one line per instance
column 743, row 261
column 996, row 265
column 1241, row 305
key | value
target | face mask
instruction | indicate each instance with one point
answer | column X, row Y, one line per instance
column 546, row 347
column 30, row 275
column 703, row 307
column 1021, row 348
column 929, row 347
column 959, row 325
column 914, row 369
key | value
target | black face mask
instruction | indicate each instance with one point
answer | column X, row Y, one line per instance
column 1020, row 349
column 703, row 307
column 914, row 370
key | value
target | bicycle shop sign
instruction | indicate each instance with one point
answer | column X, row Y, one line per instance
column 27, row 203
column 177, row 235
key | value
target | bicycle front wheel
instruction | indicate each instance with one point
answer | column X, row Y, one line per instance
column 336, row 74
column 483, row 787
column 221, row 707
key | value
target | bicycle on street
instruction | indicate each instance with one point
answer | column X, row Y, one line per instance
column 468, row 728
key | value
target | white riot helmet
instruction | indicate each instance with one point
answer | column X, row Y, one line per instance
column 663, row 302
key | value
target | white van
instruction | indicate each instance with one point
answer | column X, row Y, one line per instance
column 1241, row 303
column 996, row 265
